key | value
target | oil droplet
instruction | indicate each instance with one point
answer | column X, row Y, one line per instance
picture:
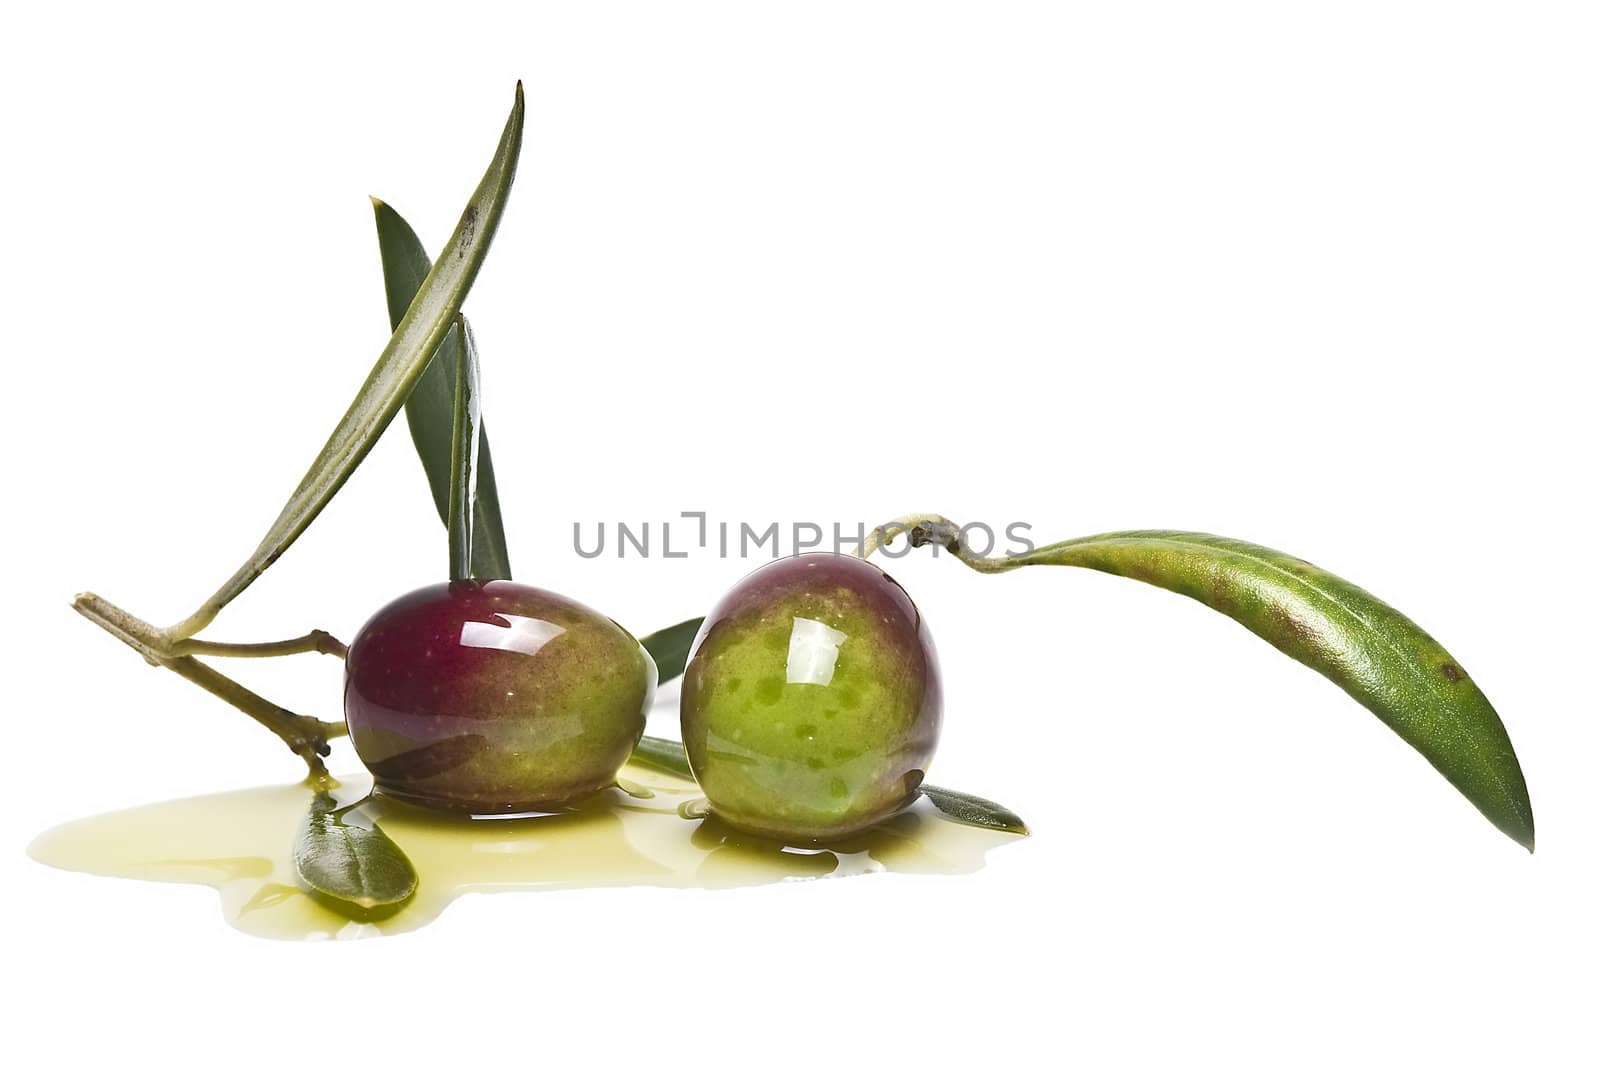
column 239, row 844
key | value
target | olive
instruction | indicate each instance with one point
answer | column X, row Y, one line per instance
column 494, row 697
column 811, row 702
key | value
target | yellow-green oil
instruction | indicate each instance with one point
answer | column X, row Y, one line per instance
column 239, row 843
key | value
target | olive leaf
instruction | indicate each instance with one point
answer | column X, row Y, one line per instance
column 428, row 319
column 975, row 810
column 670, row 647
column 353, row 869
column 1379, row 656
column 660, row 753
column 463, row 453
column 430, row 407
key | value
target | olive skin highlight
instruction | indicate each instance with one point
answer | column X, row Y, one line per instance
column 811, row 702
column 491, row 697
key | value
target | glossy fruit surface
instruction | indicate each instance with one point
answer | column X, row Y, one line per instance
column 494, row 697
column 811, row 703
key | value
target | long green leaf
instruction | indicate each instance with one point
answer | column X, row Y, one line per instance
column 663, row 754
column 429, row 408
column 975, row 810
column 463, row 451
column 420, row 331
column 670, row 647
column 356, row 870
column 1368, row 648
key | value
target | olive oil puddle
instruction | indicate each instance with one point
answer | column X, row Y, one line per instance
column 239, row 843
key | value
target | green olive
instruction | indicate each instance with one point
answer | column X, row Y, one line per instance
column 493, row 697
column 811, row 702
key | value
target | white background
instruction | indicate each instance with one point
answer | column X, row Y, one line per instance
column 1323, row 278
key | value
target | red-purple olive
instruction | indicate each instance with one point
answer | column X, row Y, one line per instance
column 811, row 702
column 494, row 697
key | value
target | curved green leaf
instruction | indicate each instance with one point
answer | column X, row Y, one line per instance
column 431, row 403
column 670, row 647
column 418, row 335
column 662, row 754
column 1368, row 648
column 356, row 870
column 463, row 453
column 975, row 810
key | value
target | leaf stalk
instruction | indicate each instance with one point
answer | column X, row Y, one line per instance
column 306, row 736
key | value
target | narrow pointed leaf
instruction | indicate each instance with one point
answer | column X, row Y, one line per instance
column 429, row 408
column 662, row 754
column 670, row 647
column 356, row 870
column 420, row 331
column 463, row 453
column 490, row 560
column 975, row 810
column 1368, row 648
